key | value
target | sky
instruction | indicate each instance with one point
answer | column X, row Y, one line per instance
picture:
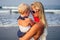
column 46, row 3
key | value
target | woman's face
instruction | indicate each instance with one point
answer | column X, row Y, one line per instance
column 35, row 12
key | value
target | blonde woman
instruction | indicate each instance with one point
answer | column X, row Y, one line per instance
column 36, row 31
column 38, row 14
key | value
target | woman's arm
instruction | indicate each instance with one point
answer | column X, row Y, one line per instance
column 31, row 32
column 32, row 22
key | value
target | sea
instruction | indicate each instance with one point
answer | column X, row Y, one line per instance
column 10, row 19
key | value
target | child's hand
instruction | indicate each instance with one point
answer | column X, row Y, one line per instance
column 27, row 19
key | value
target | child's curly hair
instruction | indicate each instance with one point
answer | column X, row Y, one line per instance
column 22, row 8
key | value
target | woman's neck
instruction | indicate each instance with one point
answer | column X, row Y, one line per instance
column 36, row 19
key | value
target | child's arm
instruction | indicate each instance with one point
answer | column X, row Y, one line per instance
column 24, row 22
column 32, row 22
column 21, row 22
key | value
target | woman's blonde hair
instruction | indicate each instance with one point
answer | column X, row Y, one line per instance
column 22, row 8
column 40, row 7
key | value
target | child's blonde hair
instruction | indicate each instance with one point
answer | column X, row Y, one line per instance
column 39, row 6
column 22, row 8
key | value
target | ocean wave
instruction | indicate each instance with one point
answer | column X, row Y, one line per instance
column 7, row 20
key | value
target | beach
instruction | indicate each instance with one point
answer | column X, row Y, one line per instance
column 10, row 33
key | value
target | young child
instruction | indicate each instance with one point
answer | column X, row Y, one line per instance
column 24, row 22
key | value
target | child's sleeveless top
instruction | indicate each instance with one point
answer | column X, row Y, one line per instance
column 23, row 29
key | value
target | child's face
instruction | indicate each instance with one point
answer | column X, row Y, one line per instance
column 26, row 12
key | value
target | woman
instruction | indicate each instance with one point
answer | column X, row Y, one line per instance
column 39, row 17
column 38, row 10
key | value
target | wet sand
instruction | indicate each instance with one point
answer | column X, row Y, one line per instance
column 53, row 33
column 10, row 33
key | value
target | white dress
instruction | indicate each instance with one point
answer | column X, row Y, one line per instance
column 24, row 29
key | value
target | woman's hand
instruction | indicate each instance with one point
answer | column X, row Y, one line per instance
column 22, row 38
